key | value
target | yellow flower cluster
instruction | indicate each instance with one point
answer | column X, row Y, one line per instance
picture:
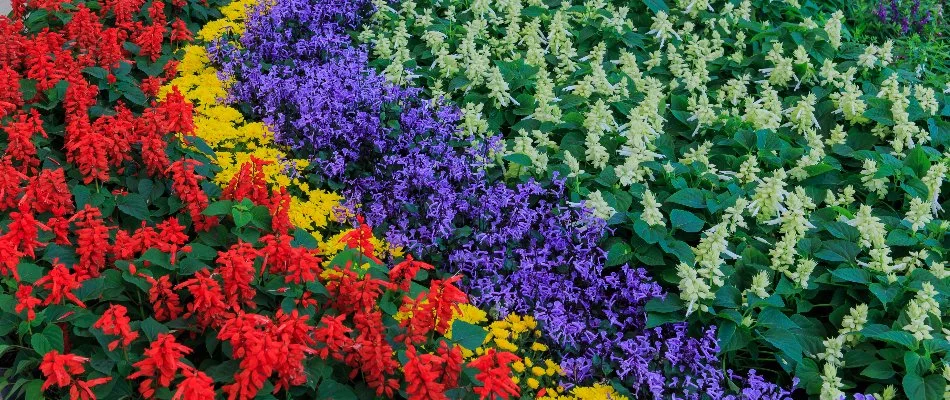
column 235, row 140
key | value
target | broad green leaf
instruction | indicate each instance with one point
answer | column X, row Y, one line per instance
column 686, row 221
column 879, row 370
column 930, row 387
column 688, row 197
column 468, row 335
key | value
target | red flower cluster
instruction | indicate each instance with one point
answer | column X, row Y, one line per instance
column 62, row 369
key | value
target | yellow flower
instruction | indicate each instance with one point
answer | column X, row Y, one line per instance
column 533, row 383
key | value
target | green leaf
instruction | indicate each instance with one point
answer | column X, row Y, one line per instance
column 656, row 5
column 29, row 273
column 34, row 389
column 41, row 344
column 786, row 342
column 468, row 335
column 880, row 370
column 838, row 251
column 686, row 221
column 134, row 205
column 688, row 197
column 519, row 159
column 856, row 275
column 54, row 336
column 930, row 387
column 241, row 217
column 649, row 234
column 152, row 328
column 331, row 389
column 220, row 207
column 619, row 253
column 885, row 294
column 918, row 161
column 773, row 318
column 671, row 303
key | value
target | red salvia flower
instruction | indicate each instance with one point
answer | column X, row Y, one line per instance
column 195, row 386
column 92, row 243
column 151, row 85
column 249, row 183
column 306, row 300
column 452, row 364
column 495, row 375
column 42, row 66
column 48, row 192
column 87, row 148
column 236, row 267
column 419, row 322
column 60, row 369
column 164, row 300
column 20, row 148
column 280, row 211
column 10, row 96
column 12, row 42
column 10, row 187
column 26, row 302
column 334, row 337
column 300, row 265
column 180, row 32
column 115, row 322
column 351, row 293
column 178, row 112
column 422, row 374
column 160, row 365
column 84, row 27
column 207, row 304
column 260, row 352
column 24, row 231
column 403, row 273
column 361, row 238
column 123, row 10
column 445, row 299
column 149, row 38
column 60, row 283
column 60, row 228
column 116, row 130
column 156, row 12
column 109, row 51
column 185, row 184
column 9, row 258
column 372, row 355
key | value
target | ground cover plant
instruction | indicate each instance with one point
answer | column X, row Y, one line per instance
column 127, row 273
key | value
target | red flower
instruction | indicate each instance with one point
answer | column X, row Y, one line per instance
column 116, row 132
column 422, row 374
column 260, row 353
column 24, row 231
column 333, row 335
column 149, row 38
column 195, row 386
column 10, row 97
column 361, row 238
column 180, row 32
column 352, row 294
column 109, row 51
column 115, row 322
column 87, row 148
column 420, row 320
column 403, row 273
column 151, row 85
column 185, row 184
column 249, row 183
column 164, row 300
column 48, row 192
column 42, row 66
column 236, row 267
column 12, row 42
column 84, row 27
column 445, row 298
column 152, row 132
column 495, row 375
column 20, row 147
column 178, row 112
column 60, row 369
column 207, row 303
column 26, row 301
column 92, row 243
column 300, row 265
column 160, row 365
column 10, row 188
column 452, row 363
column 61, row 283
column 124, row 10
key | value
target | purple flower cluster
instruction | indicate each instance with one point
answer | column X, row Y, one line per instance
column 403, row 163
column 891, row 13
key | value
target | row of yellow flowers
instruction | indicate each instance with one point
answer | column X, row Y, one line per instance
column 235, row 140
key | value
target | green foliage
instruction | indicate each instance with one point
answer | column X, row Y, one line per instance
column 800, row 180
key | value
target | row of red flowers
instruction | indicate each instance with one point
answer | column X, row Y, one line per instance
column 124, row 272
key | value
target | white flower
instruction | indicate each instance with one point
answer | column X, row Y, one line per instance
column 651, row 210
column 598, row 206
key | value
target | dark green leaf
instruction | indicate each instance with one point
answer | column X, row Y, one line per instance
column 686, row 221
column 468, row 335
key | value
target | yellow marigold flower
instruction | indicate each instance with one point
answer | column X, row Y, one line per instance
column 518, row 366
column 537, row 371
column 533, row 383
column 538, row 347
